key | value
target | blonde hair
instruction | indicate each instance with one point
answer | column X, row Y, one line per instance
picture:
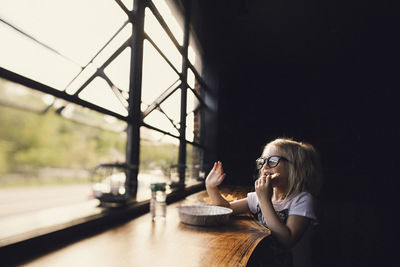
column 305, row 174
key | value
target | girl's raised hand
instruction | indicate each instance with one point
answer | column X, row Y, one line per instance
column 216, row 175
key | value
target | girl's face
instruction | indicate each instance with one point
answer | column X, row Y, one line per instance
column 281, row 168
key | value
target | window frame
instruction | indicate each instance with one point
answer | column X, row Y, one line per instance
column 31, row 244
column 135, row 116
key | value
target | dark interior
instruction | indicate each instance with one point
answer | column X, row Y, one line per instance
column 321, row 72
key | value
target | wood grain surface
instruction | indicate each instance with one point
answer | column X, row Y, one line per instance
column 142, row 242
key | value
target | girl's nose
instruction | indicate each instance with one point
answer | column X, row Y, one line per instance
column 265, row 166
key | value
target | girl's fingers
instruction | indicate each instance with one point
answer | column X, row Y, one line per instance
column 220, row 165
column 262, row 181
column 214, row 166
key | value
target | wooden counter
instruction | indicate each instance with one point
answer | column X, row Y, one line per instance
column 141, row 242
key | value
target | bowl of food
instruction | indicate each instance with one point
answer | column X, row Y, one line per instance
column 204, row 215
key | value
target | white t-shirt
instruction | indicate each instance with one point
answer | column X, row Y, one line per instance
column 302, row 205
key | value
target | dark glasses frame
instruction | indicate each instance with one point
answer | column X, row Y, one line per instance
column 271, row 161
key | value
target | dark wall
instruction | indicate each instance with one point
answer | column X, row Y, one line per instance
column 325, row 75
column 322, row 73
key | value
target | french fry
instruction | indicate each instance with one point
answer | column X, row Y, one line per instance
column 275, row 175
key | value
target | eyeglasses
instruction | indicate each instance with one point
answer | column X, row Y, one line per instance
column 271, row 161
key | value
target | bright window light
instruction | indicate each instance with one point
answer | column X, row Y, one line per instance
column 157, row 74
column 160, row 37
column 74, row 30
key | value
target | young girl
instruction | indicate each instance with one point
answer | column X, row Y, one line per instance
column 289, row 176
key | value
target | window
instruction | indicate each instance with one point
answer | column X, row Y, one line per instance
column 65, row 94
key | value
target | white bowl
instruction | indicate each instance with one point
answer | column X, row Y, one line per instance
column 205, row 215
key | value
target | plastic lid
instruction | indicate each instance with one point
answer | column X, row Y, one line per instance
column 158, row 187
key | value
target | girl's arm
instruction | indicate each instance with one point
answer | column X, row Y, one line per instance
column 287, row 234
column 213, row 180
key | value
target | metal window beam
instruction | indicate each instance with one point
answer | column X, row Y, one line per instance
column 170, row 90
column 116, row 91
column 168, row 118
column 197, row 75
column 180, row 48
column 182, row 129
column 172, row 38
column 170, row 134
column 40, row 43
column 14, row 77
column 197, row 96
column 135, row 93
column 100, row 70
column 104, row 46
column 162, row 54
column 134, row 117
column 164, row 25
column 127, row 12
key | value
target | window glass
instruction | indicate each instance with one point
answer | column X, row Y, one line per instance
column 118, row 70
column 90, row 24
column 90, row 117
column 171, row 107
column 128, row 4
column 100, row 93
column 190, row 78
column 193, row 117
column 194, row 52
column 157, row 74
column 153, row 28
column 192, row 100
column 56, row 60
column 50, row 145
column 120, row 38
column 48, row 154
column 190, row 127
column 79, row 80
column 172, row 17
column 157, row 153
column 193, row 124
column 195, row 171
column 160, row 121
column 19, row 96
column 21, row 55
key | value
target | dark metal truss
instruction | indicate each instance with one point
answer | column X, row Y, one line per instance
column 181, row 83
